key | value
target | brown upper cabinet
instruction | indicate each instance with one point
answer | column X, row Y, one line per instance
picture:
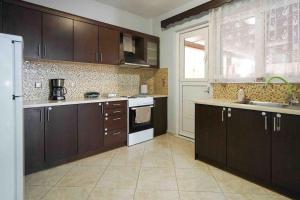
column 109, row 46
column 86, row 42
column 57, row 37
column 26, row 22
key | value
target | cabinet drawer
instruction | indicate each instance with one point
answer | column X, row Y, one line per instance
column 115, row 137
column 115, row 122
column 115, row 104
column 116, row 111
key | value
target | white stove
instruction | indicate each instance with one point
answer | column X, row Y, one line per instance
column 140, row 119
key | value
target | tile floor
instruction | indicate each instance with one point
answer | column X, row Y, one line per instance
column 163, row 168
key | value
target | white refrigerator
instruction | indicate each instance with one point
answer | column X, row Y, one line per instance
column 11, row 118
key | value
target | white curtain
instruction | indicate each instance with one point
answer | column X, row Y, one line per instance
column 256, row 39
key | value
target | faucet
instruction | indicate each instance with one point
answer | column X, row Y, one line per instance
column 292, row 99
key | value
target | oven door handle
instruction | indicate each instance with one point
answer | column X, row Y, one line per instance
column 142, row 107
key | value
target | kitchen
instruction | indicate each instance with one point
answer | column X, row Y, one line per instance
column 109, row 97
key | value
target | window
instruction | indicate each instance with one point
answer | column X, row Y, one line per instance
column 194, row 54
column 257, row 38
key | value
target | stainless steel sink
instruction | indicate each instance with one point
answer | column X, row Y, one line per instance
column 267, row 104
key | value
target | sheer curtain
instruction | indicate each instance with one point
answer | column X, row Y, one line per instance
column 256, row 39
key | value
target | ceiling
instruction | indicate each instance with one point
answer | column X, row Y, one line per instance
column 145, row 8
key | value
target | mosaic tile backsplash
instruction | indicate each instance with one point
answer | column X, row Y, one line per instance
column 82, row 77
column 273, row 92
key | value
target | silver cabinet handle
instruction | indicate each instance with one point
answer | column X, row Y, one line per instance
column 105, row 129
column 105, row 133
column 223, row 110
column 229, row 112
column 45, row 50
column 115, row 119
column 274, row 124
column 106, row 118
column 266, row 120
column 100, row 104
column 48, row 113
column 278, row 122
column 41, row 119
column 39, row 50
column 116, row 104
column 101, row 57
column 117, row 133
column 117, row 111
column 106, row 114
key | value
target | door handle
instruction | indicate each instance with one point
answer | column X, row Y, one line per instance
column 278, row 122
column 223, row 110
column 274, row 124
column 266, row 120
column 229, row 113
column 48, row 114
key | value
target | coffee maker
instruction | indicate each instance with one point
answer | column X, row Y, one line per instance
column 57, row 89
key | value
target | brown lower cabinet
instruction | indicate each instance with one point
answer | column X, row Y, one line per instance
column 210, row 134
column 260, row 146
column 160, row 115
column 34, row 139
column 90, row 127
column 59, row 134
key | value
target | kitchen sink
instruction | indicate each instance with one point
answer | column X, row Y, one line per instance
column 268, row 104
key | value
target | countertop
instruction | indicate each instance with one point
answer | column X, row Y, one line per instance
column 44, row 103
column 232, row 104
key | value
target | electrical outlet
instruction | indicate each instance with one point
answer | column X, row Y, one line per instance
column 38, row 85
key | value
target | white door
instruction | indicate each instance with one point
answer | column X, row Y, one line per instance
column 194, row 72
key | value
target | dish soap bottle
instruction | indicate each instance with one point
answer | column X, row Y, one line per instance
column 241, row 95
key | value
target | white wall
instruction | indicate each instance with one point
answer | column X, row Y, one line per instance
column 100, row 12
column 169, row 57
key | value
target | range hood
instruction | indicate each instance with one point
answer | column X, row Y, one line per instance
column 133, row 52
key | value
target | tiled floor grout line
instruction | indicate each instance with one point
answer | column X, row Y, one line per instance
column 139, row 173
column 100, row 176
column 172, row 154
column 219, row 186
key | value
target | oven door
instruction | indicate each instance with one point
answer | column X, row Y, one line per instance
column 133, row 125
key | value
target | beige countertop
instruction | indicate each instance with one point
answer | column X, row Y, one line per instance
column 44, row 103
column 232, row 104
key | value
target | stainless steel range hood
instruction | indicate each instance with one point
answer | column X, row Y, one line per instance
column 130, row 58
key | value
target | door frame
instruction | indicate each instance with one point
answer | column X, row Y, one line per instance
column 204, row 82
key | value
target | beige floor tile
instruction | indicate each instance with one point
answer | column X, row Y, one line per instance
column 47, row 177
column 252, row 197
column 120, row 177
column 201, row 196
column 35, row 192
column 82, row 176
column 196, row 180
column 128, row 157
column 233, row 184
column 157, row 179
column 156, row 195
column 68, row 193
column 157, row 159
column 97, row 160
column 111, row 194
column 183, row 161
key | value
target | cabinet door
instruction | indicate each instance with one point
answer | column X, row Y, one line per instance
column 90, row 127
column 285, row 152
column 210, row 134
column 85, row 42
column 160, row 116
column 152, row 52
column 34, row 139
column 60, row 133
column 27, row 23
column 249, row 143
column 57, row 38
column 109, row 46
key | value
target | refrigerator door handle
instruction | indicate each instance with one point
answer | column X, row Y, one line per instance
column 17, row 70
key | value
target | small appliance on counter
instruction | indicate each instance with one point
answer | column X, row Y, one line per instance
column 91, row 94
column 144, row 89
column 57, row 89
